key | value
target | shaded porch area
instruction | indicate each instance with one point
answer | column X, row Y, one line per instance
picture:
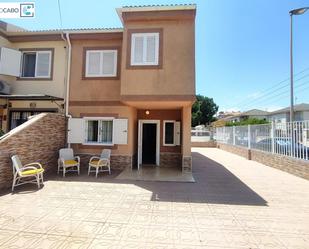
column 155, row 173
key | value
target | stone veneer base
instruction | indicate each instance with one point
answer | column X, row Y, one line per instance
column 118, row 162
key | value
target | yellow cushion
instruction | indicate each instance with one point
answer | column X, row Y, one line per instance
column 31, row 172
column 96, row 163
column 70, row 162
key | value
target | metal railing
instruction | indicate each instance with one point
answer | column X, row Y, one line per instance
column 200, row 136
column 289, row 138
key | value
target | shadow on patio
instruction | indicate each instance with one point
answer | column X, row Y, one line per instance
column 214, row 184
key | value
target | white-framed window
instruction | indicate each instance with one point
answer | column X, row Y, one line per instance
column 145, row 49
column 99, row 131
column 101, row 63
column 169, row 132
column 36, row 64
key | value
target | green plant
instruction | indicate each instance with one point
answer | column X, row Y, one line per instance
column 249, row 121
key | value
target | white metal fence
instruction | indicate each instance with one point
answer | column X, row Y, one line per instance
column 200, row 136
column 290, row 138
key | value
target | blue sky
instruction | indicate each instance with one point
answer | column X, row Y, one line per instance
column 242, row 47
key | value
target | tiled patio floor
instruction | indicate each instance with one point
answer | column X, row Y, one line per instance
column 234, row 203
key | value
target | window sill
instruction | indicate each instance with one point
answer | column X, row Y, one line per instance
column 144, row 66
column 169, row 145
column 98, row 144
column 100, row 77
column 34, row 78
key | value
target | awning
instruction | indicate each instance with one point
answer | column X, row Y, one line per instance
column 30, row 97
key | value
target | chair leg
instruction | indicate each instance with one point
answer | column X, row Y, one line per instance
column 14, row 180
column 89, row 170
column 78, row 169
column 38, row 180
column 42, row 178
column 63, row 172
column 96, row 172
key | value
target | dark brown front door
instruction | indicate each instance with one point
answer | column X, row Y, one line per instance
column 149, row 143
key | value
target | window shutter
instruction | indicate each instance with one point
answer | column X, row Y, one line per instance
column 120, row 131
column 109, row 63
column 151, row 49
column 177, row 133
column 43, row 61
column 10, row 61
column 76, row 130
column 93, row 63
column 137, row 49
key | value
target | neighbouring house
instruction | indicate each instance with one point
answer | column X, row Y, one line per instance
column 301, row 113
column 131, row 89
column 32, row 74
column 254, row 113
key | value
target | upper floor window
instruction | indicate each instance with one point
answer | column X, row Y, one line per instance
column 145, row 49
column 101, row 63
column 36, row 64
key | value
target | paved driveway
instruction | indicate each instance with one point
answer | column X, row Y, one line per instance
column 234, row 203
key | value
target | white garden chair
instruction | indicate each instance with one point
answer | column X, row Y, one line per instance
column 29, row 173
column 67, row 162
column 100, row 164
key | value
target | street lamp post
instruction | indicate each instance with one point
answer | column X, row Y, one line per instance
column 299, row 11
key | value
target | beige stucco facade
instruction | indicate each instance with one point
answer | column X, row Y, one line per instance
column 178, row 65
column 54, row 87
column 164, row 93
column 156, row 94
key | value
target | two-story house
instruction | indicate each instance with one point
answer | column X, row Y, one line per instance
column 32, row 74
column 131, row 89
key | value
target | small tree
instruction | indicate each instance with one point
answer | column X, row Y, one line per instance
column 203, row 110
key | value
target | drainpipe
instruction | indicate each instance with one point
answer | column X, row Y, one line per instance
column 68, row 75
column 66, row 38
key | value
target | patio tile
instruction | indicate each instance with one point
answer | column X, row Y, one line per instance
column 111, row 231
column 103, row 243
column 160, row 234
column 135, row 233
column 64, row 227
column 20, row 223
column 48, row 242
column 87, row 229
column 293, row 241
column 76, row 243
column 22, row 240
column 212, row 237
column 42, row 225
column 6, row 235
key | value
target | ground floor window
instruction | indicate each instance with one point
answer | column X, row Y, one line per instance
column 21, row 116
column 99, row 131
column 169, row 133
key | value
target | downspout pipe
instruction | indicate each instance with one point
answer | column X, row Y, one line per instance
column 67, row 35
column 66, row 38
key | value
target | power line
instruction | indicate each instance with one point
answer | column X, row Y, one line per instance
column 276, row 99
column 268, row 89
column 269, row 95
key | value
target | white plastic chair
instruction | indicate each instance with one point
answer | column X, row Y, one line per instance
column 67, row 162
column 101, row 164
column 29, row 173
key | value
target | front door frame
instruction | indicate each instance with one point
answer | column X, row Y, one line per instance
column 140, row 141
